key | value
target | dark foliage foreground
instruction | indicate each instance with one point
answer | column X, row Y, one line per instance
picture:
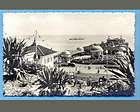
column 56, row 82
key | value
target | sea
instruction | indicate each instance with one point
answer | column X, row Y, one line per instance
column 65, row 42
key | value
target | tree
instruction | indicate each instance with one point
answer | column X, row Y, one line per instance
column 125, row 72
column 12, row 56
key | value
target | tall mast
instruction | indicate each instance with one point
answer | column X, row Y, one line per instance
column 35, row 42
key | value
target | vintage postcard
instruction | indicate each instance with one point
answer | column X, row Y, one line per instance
column 69, row 54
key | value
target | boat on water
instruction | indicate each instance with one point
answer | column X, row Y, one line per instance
column 76, row 38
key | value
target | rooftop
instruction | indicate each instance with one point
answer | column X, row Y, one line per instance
column 41, row 50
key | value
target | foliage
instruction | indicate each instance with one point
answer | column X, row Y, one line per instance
column 12, row 56
column 124, row 73
column 52, row 81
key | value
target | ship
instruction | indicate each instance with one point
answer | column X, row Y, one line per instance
column 76, row 38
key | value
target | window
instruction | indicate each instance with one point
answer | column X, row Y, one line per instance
column 48, row 60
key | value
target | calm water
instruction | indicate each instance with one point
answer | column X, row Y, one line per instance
column 62, row 42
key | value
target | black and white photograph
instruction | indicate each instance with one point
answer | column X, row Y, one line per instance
column 69, row 54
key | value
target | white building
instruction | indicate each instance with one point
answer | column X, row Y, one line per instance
column 40, row 55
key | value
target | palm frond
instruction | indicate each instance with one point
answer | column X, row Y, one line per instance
column 12, row 50
column 118, row 73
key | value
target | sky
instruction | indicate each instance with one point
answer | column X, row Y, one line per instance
column 69, row 23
